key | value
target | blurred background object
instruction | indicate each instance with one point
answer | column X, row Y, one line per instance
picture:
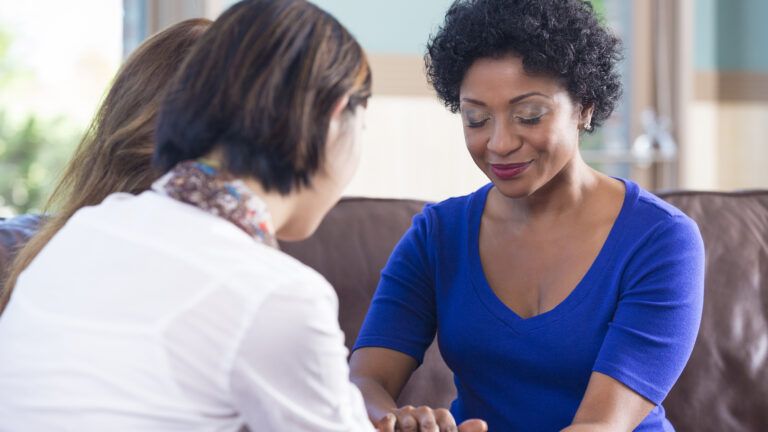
column 56, row 60
column 694, row 113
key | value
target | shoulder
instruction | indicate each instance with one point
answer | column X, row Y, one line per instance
column 460, row 203
column 649, row 202
column 208, row 245
column 650, row 215
column 655, row 231
column 453, row 213
column 280, row 271
column 258, row 272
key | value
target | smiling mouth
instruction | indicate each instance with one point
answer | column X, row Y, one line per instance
column 510, row 171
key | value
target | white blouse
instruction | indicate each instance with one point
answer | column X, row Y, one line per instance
column 146, row 314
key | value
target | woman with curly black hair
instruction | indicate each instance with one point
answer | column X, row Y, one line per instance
column 563, row 299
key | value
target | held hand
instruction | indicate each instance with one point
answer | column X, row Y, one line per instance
column 473, row 425
column 425, row 419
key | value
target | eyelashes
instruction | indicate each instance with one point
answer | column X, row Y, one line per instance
column 528, row 121
column 476, row 125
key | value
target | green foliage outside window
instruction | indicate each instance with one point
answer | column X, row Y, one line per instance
column 33, row 150
column 599, row 6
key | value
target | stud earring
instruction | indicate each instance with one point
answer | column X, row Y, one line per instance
column 588, row 127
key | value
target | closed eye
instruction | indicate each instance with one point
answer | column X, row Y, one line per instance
column 530, row 120
column 477, row 124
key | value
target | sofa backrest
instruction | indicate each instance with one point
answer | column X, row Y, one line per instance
column 725, row 385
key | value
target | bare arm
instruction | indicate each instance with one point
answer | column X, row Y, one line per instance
column 380, row 374
column 609, row 406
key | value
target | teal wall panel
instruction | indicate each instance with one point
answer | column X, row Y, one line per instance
column 389, row 26
column 731, row 35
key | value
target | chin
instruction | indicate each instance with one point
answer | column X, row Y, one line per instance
column 513, row 193
column 294, row 234
column 518, row 188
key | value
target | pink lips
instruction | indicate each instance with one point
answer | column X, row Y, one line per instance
column 509, row 171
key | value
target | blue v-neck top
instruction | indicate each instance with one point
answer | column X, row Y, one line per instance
column 634, row 316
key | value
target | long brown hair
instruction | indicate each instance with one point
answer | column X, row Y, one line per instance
column 116, row 152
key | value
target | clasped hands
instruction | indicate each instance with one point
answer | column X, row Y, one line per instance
column 426, row 419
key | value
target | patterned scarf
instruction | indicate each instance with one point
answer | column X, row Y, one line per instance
column 204, row 187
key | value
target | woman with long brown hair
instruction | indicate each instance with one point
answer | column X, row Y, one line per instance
column 173, row 309
column 115, row 154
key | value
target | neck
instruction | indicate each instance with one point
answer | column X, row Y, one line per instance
column 281, row 207
column 563, row 194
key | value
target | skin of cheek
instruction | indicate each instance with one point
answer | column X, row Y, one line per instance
column 552, row 144
column 344, row 154
column 559, row 147
column 343, row 151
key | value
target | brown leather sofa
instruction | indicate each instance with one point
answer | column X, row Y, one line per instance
column 723, row 388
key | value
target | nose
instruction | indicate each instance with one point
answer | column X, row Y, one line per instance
column 504, row 140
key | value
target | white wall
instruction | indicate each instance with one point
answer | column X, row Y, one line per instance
column 729, row 146
column 414, row 148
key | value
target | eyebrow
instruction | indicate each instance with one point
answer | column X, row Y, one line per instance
column 512, row 101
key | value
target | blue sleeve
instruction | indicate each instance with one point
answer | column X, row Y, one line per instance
column 402, row 315
column 657, row 319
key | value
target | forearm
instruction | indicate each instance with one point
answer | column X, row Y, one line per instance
column 378, row 401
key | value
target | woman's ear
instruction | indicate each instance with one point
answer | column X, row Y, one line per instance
column 585, row 117
column 337, row 113
column 339, row 106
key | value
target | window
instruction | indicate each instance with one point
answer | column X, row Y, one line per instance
column 55, row 62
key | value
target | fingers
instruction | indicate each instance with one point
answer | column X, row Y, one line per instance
column 473, row 425
column 387, row 423
column 426, row 419
column 445, row 420
column 421, row 419
column 406, row 419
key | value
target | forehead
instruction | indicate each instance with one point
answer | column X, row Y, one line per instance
column 504, row 77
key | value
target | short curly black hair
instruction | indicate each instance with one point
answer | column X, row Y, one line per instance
column 562, row 38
